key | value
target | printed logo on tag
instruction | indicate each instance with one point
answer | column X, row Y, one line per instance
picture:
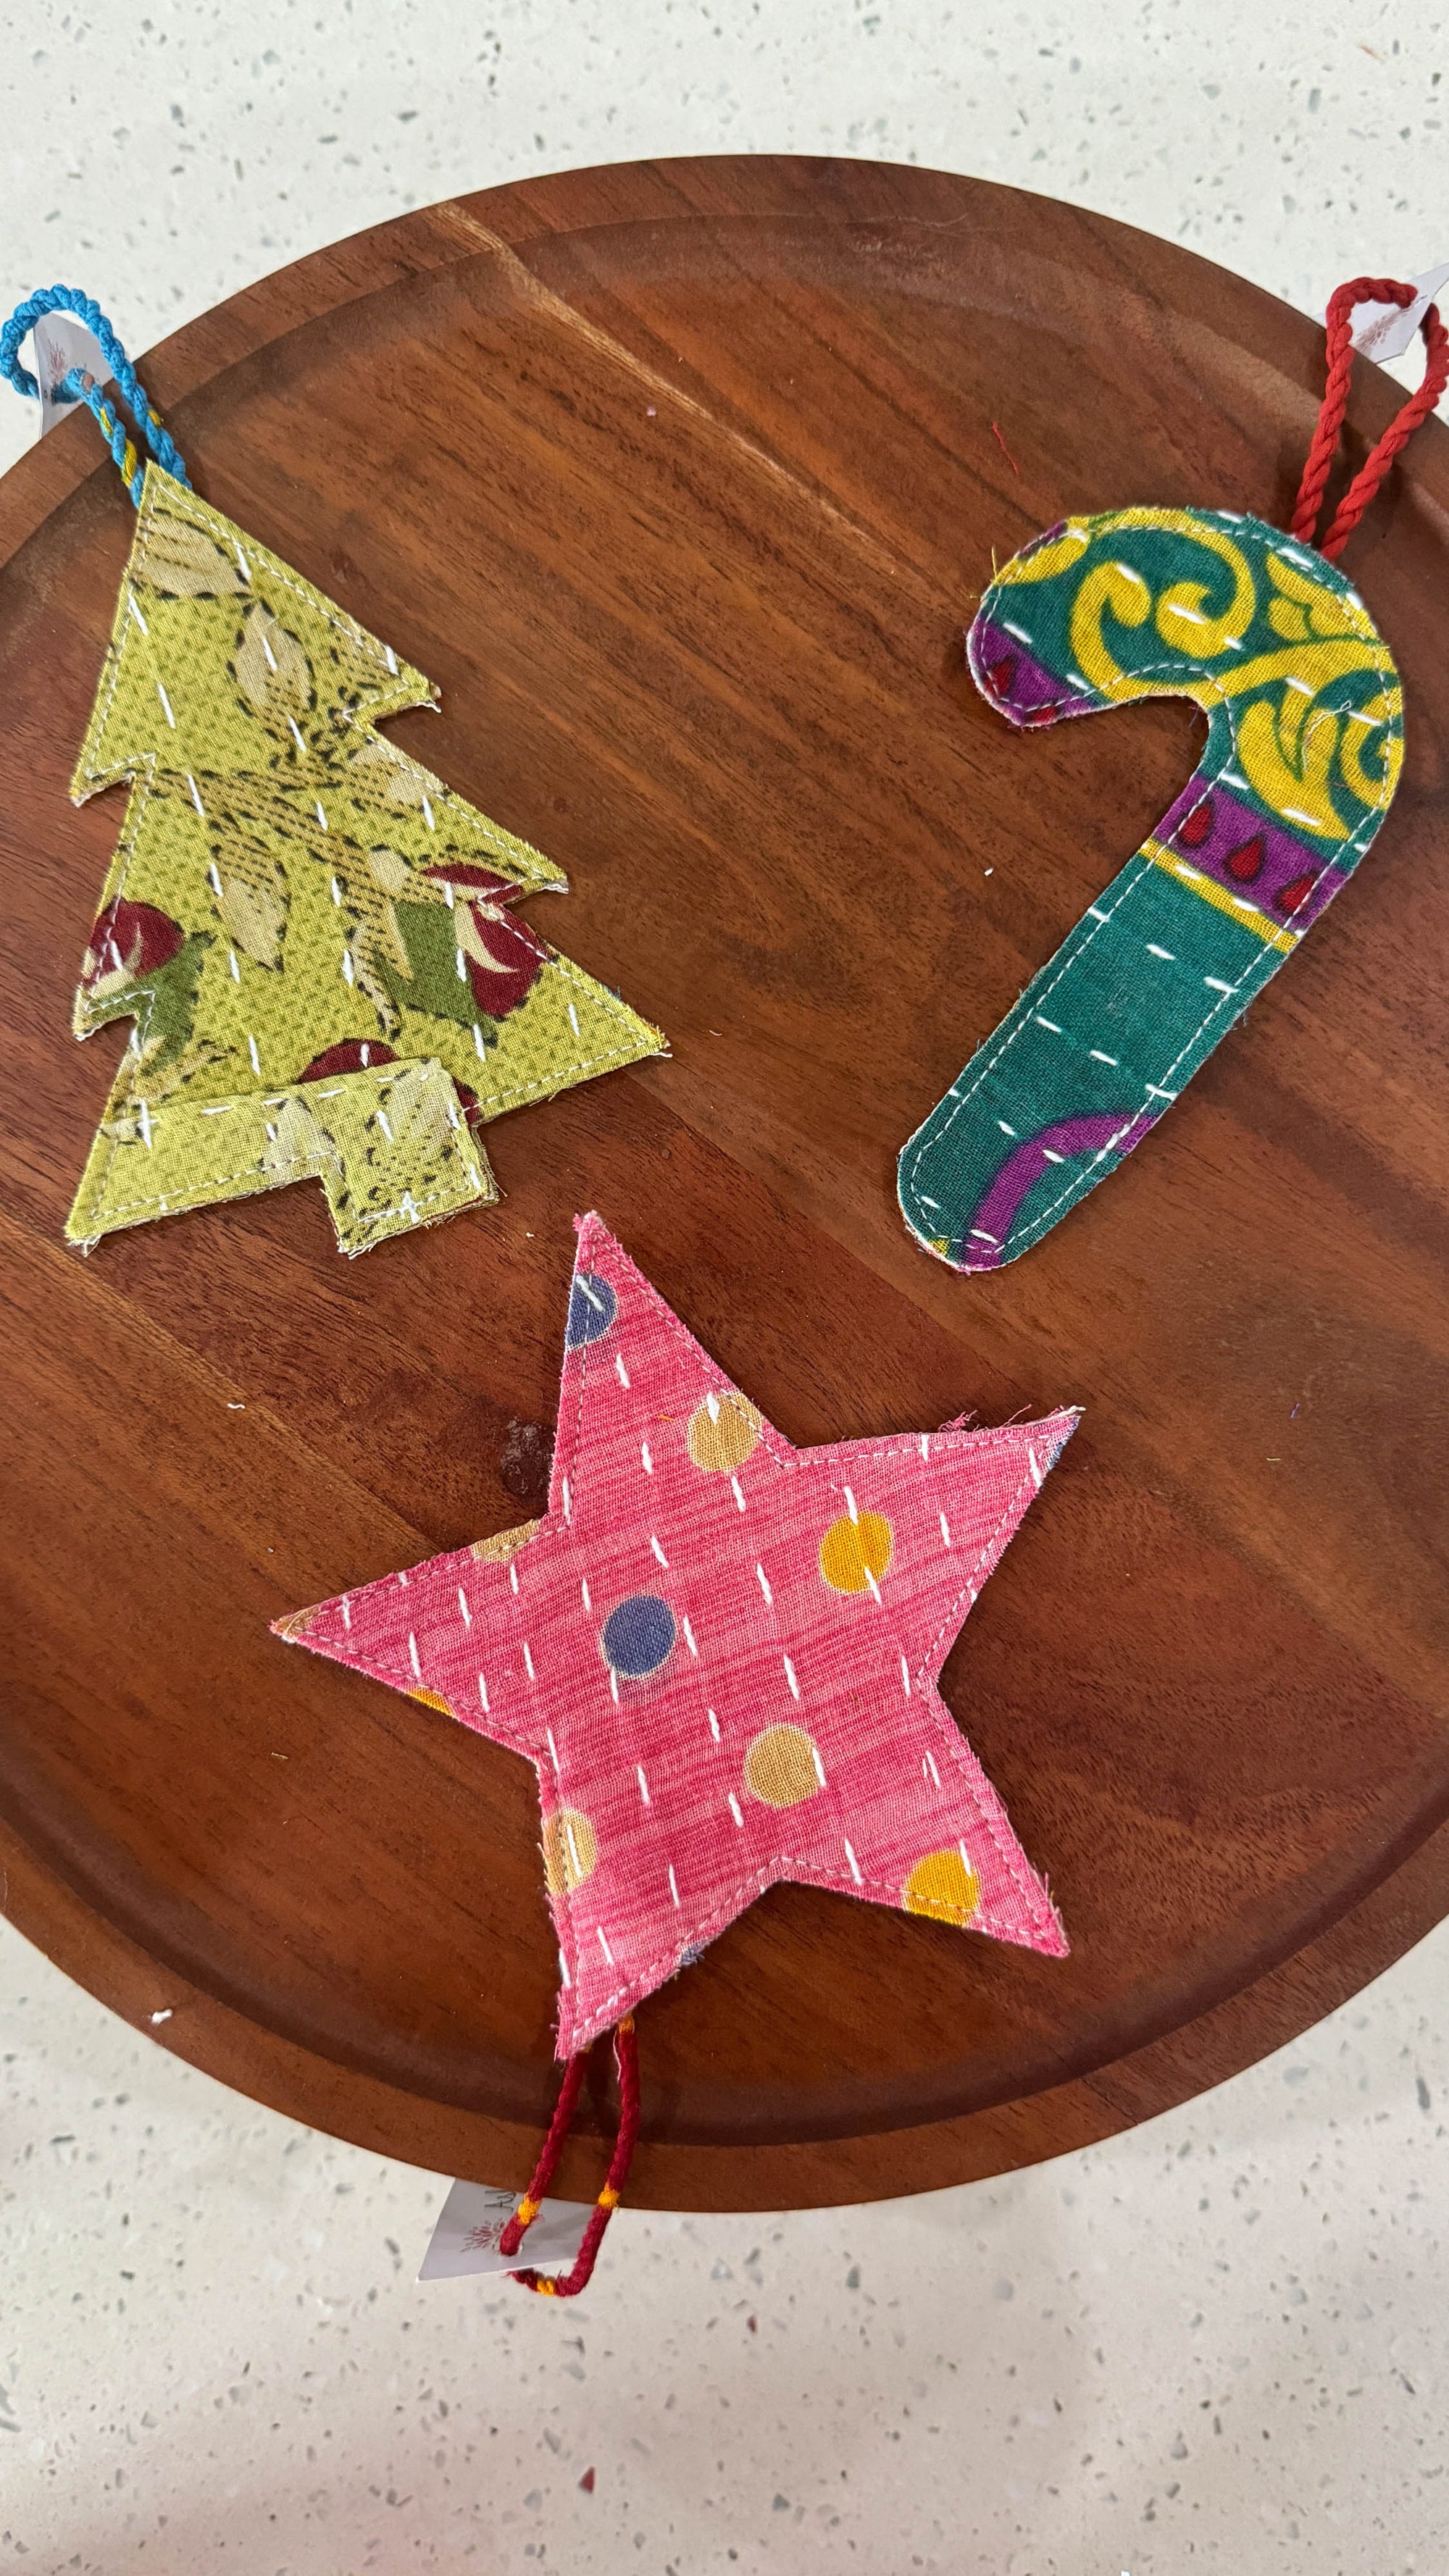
column 473, row 2218
column 60, row 343
column 1385, row 330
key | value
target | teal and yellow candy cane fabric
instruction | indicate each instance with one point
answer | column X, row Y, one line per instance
column 1304, row 748
column 313, row 935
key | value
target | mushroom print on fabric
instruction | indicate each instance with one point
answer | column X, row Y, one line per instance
column 312, row 934
column 1304, row 747
column 721, row 1654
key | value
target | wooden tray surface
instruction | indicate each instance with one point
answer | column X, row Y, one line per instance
column 681, row 479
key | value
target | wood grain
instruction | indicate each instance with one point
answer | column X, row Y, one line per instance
column 681, row 480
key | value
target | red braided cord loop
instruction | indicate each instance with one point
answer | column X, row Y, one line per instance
column 569, row 2284
column 543, row 2172
column 1363, row 290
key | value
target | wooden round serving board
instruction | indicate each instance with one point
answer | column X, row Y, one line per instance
column 682, row 479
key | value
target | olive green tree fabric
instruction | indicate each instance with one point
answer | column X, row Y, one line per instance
column 309, row 930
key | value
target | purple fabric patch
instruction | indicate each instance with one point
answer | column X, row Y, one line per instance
column 1229, row 841
column 984, row 1246
column 1012, row 679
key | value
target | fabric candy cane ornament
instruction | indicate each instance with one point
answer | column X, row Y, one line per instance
column 311, row 933
column 720, row 1653
column 1304, row 747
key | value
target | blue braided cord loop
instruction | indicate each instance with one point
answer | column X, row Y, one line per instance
column 69, row 299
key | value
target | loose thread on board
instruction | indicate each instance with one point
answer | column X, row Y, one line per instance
column 1005, row 450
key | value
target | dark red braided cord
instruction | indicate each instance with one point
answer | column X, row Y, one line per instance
column 568, row 2284
column 543, row 2173
column 1363, row 290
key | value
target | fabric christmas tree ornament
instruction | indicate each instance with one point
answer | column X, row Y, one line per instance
column 721, row 1655
column 312, row 934
column 1303, row 753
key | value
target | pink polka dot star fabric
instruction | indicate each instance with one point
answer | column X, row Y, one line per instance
column 721, row 1654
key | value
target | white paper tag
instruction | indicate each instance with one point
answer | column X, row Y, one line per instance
column 1385, row 330
column 60, row 343
column 473, row 2218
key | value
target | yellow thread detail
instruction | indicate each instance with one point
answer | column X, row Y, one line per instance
column 527, row 2211
column 431, row 1699
column 608, row 2198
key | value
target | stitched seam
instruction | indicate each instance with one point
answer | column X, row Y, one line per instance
column 754, row 1883
column 140, row 769
column 309, row 1166
column 1382, row 664
column 989, row 1807
column 505, row 844
column 198, row 1190
column 120, row 1099
column 401, row 1676
column 949, row 1735
column 456, row 1197
column 210, row 522
column 562, row 1903
column 1205, row 889
column 956, row 1616
column 784, row 1453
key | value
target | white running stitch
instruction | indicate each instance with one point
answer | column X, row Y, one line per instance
column 1018, row 1018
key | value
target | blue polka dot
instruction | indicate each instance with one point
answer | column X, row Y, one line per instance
column 639, row 1635
column 592, row 1308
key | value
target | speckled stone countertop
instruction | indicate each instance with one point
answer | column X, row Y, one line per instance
column 1216, row 2343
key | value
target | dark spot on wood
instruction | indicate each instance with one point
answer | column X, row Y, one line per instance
column 525, row 1461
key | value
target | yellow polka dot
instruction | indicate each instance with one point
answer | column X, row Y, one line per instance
column 852, row 1552
column 942, row 1885
column 570, row 1849
column 723, row 1432
column 782, row 1767
column 430, row 1699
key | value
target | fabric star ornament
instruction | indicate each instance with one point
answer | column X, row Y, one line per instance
column 721, row 1655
